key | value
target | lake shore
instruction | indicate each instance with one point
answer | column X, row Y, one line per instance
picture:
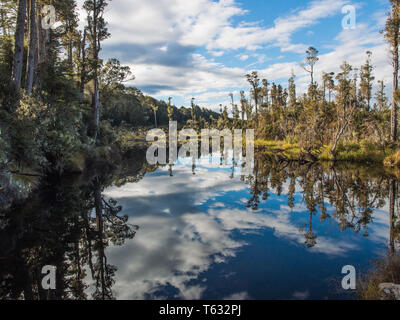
column 364, row 152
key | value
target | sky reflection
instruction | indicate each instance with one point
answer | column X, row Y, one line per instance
column 198, row 240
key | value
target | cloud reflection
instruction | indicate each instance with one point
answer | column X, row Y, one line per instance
column 187, row 224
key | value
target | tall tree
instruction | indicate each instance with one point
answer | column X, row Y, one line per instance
column 265, row 92
column 327, row 83
column 32, row 56
column 82, row 66
column 19, row 43
column 69, row 17
column 380, row 96
column 243, row 104
column 346, row 104
column 254, row 81
column 366, row 81
column 311, row 60
column 391, row 33
column 170, row 110
column 98, row 32
column 193, row 113
column 292, row 91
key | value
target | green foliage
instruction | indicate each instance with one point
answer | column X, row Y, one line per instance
column 386, row 270
column 362, row 152
column 9, row 94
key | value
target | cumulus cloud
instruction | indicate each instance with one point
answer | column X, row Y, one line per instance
column 185, row 230
column 171, row 44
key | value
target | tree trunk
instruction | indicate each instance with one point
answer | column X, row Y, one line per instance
column 70, row 49
column 32, row 49
column 341, row 130
column 100, row 230
column 19, row 43
column 312, row 76
column 83, row 69
column 95, row 101
column 392, row 202
column 395, row 86
column 43, row 40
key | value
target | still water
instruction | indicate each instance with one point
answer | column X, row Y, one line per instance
column 200, row 231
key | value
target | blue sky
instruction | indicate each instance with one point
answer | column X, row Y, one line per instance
column 203, row 48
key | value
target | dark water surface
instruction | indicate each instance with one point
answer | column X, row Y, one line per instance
column 199, row 231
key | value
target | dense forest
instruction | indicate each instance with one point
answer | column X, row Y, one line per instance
column 64, row 110
column 61, row 104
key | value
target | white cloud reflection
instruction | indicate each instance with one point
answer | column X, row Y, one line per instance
column 185, row 229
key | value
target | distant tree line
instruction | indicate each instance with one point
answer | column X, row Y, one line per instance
column 58, row 99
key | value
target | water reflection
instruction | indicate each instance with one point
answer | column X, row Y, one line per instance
column 67, row 224
column 206, row 231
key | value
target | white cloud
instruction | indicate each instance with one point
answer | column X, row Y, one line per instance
column 231, row 37
column 161, row 41
column 175, row 249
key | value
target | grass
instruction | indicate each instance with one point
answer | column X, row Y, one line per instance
column 384, row 271
column 393, row 160
column 289, row 150
column 362, row 152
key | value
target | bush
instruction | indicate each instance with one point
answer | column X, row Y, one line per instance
column 384, row 271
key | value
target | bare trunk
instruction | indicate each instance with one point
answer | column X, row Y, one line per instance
column 70, row 51
column 100, row 229
column 83, row 69
column 392, row 202
column 95, row 101
column 342, row 130
column 43, row 39
column 395, row 87
column 19, row 43
column 32, row 49
column 37, row 49
column 312, row 75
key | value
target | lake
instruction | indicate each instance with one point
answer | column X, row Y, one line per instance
column 200, row 230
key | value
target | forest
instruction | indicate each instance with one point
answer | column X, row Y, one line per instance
column 71, row 127
column 62, row 105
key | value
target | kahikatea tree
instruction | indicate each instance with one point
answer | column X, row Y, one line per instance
column 391, row 34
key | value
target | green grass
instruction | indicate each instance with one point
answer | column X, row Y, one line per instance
column 289, row 150
column 384, row 271
column 393, row 159
column 362, row 152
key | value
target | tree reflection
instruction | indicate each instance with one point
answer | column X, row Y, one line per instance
column 352, row 193
column 67, row 224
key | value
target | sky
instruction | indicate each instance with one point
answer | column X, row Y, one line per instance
column 204, row 48
column 194, row 223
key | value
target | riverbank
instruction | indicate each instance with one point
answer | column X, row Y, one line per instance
column 364, row 152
